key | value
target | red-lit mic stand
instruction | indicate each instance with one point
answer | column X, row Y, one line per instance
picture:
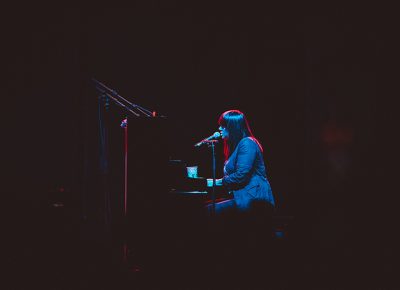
column 140, row 112
column 124, row 125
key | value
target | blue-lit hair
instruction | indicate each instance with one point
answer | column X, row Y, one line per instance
column 238, row 128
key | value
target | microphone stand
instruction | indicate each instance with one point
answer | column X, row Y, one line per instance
column 106, row 94
column 211, row 143
column 124, row 125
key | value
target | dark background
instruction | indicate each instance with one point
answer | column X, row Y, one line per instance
column 308, row 77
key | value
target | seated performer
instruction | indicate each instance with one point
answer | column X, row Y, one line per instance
column 244, row 170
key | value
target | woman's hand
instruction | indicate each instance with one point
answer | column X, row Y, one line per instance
column 218, row 182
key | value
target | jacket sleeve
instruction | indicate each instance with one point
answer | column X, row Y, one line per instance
column 246, row 155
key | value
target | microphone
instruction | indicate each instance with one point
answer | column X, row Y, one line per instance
column 214, row 136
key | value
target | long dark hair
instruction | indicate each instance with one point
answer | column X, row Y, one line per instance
column 238, row 128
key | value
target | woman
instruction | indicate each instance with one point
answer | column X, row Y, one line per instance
column 244, row 170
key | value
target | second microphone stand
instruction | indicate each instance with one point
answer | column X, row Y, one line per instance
column 105, row 95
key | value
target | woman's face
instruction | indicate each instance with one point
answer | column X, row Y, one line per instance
column 224, row 132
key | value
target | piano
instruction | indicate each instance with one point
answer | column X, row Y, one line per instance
column 182, row 186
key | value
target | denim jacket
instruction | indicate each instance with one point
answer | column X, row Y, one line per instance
column 245, row 175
